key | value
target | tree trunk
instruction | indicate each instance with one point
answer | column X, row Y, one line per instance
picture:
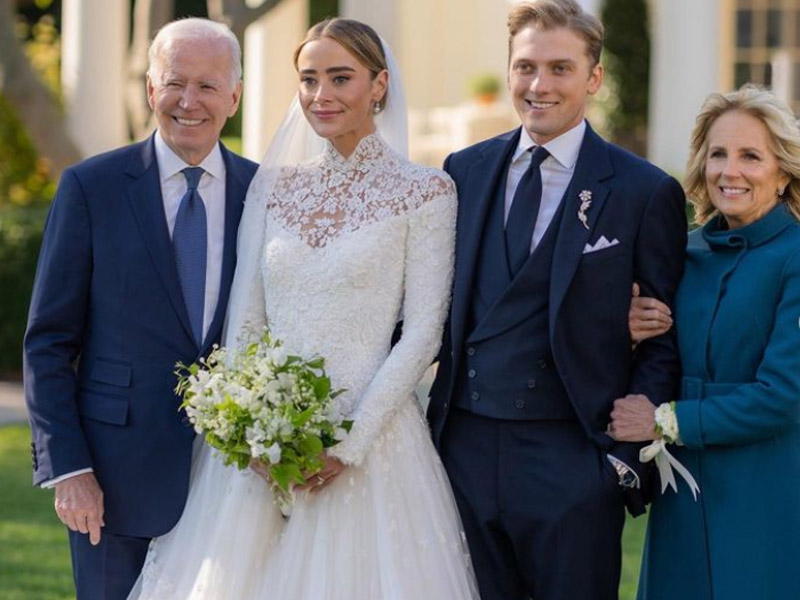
column 148, row 18
column 33, row 102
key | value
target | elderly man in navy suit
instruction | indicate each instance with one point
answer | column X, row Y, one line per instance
column 555, row 225
column 134, row 273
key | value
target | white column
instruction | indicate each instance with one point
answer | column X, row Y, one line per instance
column 270, row 79
column 94, row 38
column 382, row 16
column 684, row 69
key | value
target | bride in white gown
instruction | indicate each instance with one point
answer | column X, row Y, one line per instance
column 341, row 238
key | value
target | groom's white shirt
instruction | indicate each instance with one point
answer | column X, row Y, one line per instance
column 212, row 191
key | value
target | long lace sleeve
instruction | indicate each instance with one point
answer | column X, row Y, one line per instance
column 428, row 276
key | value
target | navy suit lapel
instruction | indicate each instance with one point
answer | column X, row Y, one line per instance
column 475, row 197
column 236, row 182
column 592, row 168
column 144, row 193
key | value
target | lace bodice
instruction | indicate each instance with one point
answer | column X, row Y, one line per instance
column 353, row 245
column 334, row 195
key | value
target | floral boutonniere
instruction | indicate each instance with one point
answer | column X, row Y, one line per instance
column 586, row 202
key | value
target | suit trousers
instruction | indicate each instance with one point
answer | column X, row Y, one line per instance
column 541, row 506
column 109, row 570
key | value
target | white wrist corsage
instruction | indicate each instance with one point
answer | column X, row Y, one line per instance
column 667, row 423
column 667, row 427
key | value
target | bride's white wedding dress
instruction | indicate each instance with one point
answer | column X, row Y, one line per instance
column 351, row 247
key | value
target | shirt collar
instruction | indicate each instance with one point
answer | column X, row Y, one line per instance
column 170, row 164
column 565, row 148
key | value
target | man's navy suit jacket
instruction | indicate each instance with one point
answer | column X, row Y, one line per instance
column 632, row 202
column 106, row 327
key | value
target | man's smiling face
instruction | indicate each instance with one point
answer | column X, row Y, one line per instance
column 192, row 94
column 550, row 77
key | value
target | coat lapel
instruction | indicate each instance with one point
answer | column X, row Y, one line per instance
column 475, row 198
column 144, row 193
column 236, row 182
column 592, row 168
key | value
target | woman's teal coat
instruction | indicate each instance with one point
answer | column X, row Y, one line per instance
column 738, row 320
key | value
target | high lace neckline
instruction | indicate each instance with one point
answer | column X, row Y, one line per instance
column 749, row 236
column 369, row 150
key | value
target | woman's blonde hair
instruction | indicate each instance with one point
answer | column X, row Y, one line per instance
column 784, row 137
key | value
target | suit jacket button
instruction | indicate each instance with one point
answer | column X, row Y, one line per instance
column 471, row 351
column 531, row 383
column 472, row 373
column 542, row 363
column 519, row 403
column 475, row 396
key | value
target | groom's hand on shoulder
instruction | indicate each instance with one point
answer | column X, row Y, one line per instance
column 79, row 505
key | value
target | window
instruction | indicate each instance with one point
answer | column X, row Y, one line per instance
column 762, row 28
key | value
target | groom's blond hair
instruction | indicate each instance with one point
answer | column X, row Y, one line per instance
column 553, row 14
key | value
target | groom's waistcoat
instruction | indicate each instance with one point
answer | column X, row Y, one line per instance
column 507, row 371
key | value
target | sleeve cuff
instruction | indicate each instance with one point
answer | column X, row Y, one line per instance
column 46, row 485
column 623, row 469
column 689, row 423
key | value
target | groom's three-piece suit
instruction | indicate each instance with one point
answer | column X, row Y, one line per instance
column 107, row 325
column 531, row 364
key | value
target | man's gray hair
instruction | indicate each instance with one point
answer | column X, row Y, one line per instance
column 194, row 28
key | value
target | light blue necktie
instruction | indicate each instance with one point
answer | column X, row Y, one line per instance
column 189, row 241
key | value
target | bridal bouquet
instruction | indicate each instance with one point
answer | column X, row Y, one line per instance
column 262, row 403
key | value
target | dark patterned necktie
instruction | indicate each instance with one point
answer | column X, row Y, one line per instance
column 189, row 239
column 524, row 210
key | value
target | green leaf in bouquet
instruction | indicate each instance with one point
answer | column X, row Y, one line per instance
column 316, row 363
column 310, row 446
column 242, row 460
column 322, row 387
column 302, row 418
column 286, row 473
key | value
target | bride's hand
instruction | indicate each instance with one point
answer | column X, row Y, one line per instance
column 319, row 481
column 260, row 468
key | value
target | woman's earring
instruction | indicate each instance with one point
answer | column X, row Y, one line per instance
column 781, row 191
column 376, row 108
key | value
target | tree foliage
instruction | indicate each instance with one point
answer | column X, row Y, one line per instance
column 627, row 62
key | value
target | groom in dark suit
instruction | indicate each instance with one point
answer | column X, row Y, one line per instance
column 554, row 227
column 134, row 273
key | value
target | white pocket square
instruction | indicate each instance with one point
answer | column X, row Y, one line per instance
column 601, row 244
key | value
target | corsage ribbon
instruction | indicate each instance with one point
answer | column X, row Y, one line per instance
column 666, row 462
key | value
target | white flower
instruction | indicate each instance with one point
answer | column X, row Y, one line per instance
column 273, row 453
column 279, row 356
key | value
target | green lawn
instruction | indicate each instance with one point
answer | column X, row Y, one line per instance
column 34, row 554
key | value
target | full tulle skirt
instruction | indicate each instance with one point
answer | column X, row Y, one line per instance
column 387, row 529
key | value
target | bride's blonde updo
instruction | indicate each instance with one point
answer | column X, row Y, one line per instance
column 358, row 38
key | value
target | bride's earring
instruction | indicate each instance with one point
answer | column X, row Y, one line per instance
column 376, row 108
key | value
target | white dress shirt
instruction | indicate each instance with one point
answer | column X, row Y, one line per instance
column 212, row 191
column 557, row 170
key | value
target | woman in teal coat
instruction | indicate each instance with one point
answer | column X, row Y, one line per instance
column 736, row 423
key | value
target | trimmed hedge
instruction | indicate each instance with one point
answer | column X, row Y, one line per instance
column 20, row 240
